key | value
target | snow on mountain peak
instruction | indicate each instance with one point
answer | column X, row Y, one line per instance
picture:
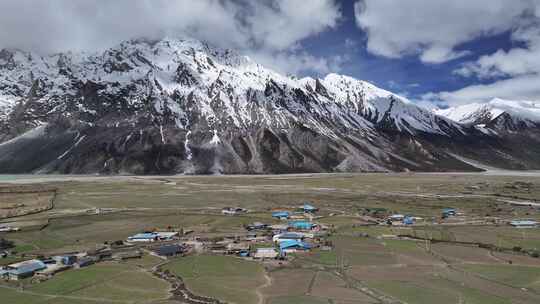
column 482, row 113
column 225, row 86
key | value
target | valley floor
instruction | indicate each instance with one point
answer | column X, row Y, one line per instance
column 474, row 257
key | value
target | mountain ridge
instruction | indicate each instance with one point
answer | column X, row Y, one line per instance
column 183, row 106
column 526, row 112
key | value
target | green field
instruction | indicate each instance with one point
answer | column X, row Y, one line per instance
column 436, row 291
column 517, row 276
column 298, row 300
column 226, row 278
column 404, row 269
column 103, row 283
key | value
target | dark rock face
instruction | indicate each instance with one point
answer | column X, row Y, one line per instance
column 176, row 106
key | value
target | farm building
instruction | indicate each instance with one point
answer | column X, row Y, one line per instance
column 298, row 216
column 83, row 262
column 51, row 270
column 308, row 208
column 265, row 253
column 65, row 259
column 396, row 217
column 143, row 237
column 409, row 220
column 524, row 223
column 376, row 212
column 278, row 238
column 103, row 255
column 254, row 238
column 169, row 250
column 154, row 236
column 22, row 270
column 447, row 212
column 167, row 235
column 233, row 210
column 217, row 247
column 8, row 229
column 233, row 248
column 281, row 214
column 293, row 246
column 301, row 225
column 279, row 228
column 256, row 226
column 126, row 255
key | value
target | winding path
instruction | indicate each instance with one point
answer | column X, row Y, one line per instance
column 258, row 290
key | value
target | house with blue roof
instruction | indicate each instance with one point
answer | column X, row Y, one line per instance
column 308, row 208
column 409, row 220
column 293, row 246
column 527, row 223
column 84, row 262
column 144, row 237
column 278, row 238
column 447, row 212
column 301, row 225
column 65, row 259
column 281, row 214
column 21, row 270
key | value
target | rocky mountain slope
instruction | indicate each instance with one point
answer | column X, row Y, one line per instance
column 182, row 106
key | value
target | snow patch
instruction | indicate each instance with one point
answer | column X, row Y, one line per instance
column 161, row 133
column 79, row 140
column 34, row 133
column 215, row 139
column 470, row 113
column 189, row 154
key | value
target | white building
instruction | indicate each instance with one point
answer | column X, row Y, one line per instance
column 265, row 253
column 233, row 211
column 8, row 229
column 524, row 223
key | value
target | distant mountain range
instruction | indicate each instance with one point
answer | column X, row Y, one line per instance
column 181, row 106
column 498, row 114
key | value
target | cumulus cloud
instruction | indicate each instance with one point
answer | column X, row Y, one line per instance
column 285, row 22
column 517, row 88
column 434, row 29
column 514, row 73
column 270, row 26
column 298, row 62
column 514, row 62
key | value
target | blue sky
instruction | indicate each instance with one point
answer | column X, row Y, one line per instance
column 436, row 52
column 407, row 75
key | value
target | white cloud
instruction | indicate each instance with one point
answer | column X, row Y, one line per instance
column 272, row 26
column 437, row 30
column 299, row 62
column 515, row 73
column 434, row 29
column 438, row 54
column 287, row 21
column 514, row 62
column 426, row 104
column 518, row 88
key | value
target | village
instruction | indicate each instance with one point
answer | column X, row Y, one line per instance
column 297, row 232
column 306, row 239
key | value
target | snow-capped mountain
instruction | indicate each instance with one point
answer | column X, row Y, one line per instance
column 182, row 106
column 522, row 113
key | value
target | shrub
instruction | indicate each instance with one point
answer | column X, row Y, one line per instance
column 5, row 244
